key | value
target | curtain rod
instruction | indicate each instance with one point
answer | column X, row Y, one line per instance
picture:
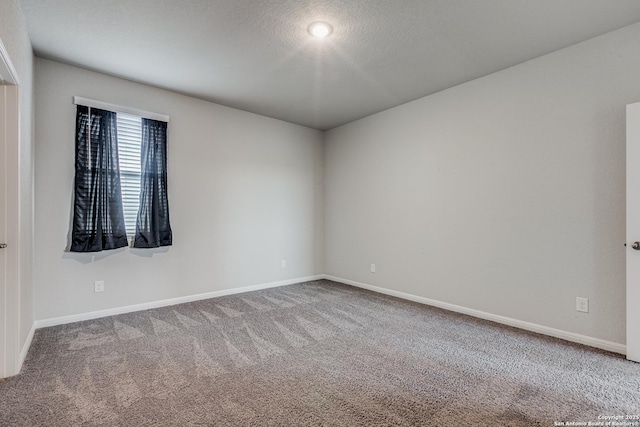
column 78, row 100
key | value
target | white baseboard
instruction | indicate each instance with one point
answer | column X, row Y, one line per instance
column 533, row 327
column 166, row 302
column 26, row 345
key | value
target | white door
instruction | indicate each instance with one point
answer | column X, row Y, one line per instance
column 9, row 219
column 9, row 212
column 3, row 234
column 633, row 232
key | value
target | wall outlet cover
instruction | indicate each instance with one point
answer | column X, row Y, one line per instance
column 582, row 304
column 98, row 286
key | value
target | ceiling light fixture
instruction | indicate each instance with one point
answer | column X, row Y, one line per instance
column 320, row 30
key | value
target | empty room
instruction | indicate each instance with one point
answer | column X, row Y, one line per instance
column 320, row 213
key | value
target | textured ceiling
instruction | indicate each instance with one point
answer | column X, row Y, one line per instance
column 256, row 55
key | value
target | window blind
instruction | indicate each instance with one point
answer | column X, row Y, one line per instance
column 129, row 146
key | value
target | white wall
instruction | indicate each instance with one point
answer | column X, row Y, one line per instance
column 505, row 194
column 13, row 33
column 245, row 192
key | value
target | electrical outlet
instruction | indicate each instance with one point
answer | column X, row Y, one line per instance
column 283, row 263
column 582, row 304
column 373, row 268
column 98, row 286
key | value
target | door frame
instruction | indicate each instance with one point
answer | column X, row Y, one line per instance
column 10, row 360
column 633, row 231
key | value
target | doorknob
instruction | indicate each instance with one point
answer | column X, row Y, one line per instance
column 3, row 245
column 636, row 246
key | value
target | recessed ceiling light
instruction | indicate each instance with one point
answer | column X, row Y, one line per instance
column 320, row 30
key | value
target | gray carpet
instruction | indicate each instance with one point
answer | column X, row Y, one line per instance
column 311, row 354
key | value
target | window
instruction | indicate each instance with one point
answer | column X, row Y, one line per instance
column 121, row 178
column 129, row 146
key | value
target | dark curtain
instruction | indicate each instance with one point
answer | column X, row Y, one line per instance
column 98, row 219
column 152, row 226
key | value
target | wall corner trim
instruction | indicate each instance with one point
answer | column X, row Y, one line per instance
column 166, row 302
column 532, row 327
column 26, row 346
